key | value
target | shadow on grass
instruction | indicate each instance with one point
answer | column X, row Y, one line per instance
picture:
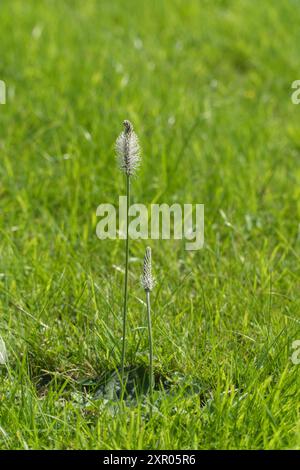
column 108, row 386
column 136, row 385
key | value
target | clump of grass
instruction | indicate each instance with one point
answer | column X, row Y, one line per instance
column 128, row 155
column 148, row 283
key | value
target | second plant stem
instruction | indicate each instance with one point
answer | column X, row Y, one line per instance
column 126, row 278
column 150, row 348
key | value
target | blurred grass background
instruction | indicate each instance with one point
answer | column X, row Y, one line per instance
column 207, row 86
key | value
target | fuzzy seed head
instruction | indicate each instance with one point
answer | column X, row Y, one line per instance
column 147, row 279
column 128, row 150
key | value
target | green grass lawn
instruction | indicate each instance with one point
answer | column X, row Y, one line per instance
column 207, row 85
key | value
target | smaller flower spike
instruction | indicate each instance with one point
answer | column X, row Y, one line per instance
column 128, row 150
column 147, row 280
column 3, row 353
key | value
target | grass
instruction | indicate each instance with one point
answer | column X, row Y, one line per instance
column 207, row 87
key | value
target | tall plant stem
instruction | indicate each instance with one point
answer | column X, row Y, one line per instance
column 150, row 349
column 126, row 278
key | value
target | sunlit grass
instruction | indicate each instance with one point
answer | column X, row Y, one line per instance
column 207, row 85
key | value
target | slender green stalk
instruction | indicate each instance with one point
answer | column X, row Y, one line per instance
column 126, row 277
column 148, row 283
column 150, row 348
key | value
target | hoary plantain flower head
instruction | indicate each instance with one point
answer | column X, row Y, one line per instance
column 147, row 280
column 128, row 150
